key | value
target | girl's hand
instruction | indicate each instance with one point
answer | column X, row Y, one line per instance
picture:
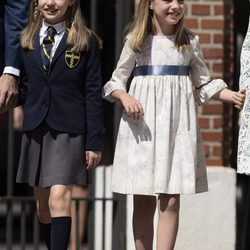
column 239, row 98
column 227, row 95
column 132, row 106
column 92, row 158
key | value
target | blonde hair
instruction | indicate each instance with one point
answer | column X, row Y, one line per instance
column 78, row 33
column 142, row 26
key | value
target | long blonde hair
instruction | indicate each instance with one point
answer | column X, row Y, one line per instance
column 142, row 25
column 78, row 33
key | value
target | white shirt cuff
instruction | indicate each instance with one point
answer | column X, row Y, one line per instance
column 11, row 70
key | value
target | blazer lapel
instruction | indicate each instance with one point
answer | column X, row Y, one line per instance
column 60, row 49
column 37, row 53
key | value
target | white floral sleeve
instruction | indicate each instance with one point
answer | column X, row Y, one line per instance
column 122, row 72
column 205, row 87
column 245, row 63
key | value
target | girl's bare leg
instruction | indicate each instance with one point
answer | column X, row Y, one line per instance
column 43, row 213
column 143, row 221
column 42, row 198
column 78, row 192
column 60, row 200
column 60, row 204
column 168, row 210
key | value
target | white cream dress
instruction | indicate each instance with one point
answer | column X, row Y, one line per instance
column 243, row 158
column 163, row 151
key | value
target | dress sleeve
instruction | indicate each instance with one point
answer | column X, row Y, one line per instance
column 205, row 87
column 245, row 62
column 122, row 72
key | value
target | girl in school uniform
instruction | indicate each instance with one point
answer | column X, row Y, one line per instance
column 61, row 92
column 159, row 151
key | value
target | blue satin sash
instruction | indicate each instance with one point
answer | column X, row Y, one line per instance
column 146, row 70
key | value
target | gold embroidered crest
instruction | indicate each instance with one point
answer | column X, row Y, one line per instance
column 72, row 59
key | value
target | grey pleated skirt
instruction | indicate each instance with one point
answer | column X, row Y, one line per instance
column 49, row 157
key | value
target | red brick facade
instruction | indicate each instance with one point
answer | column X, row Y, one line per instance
column 212, row 21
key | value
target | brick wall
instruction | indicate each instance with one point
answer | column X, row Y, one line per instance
column 212, row 21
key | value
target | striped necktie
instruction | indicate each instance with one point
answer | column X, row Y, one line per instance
column 46, row 46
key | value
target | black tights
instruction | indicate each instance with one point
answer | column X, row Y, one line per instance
column 57, row 233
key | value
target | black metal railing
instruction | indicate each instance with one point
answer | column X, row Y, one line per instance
column 18, row 215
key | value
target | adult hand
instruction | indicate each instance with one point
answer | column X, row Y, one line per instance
column 239, row 98
column 8, row 92
column 92, row 158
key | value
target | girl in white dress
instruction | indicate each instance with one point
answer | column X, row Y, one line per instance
column 159, row 152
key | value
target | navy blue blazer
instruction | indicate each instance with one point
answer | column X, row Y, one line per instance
column 13, row 16
column 69, row 97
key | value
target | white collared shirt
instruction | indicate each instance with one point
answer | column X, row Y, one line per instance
column 11, row 70
column 60, row 28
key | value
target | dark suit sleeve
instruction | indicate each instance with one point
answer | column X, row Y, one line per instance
column 94, row 103
column 1, row 37
column 16, row 13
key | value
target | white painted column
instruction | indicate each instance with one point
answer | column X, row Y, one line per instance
column 102, row 190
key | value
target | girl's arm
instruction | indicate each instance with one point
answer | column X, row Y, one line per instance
column 121, row 74
column 93, row 98
column 205, row 87
column 132, row 106
column 92, row 158
column 115, row 89
column 227, row 95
